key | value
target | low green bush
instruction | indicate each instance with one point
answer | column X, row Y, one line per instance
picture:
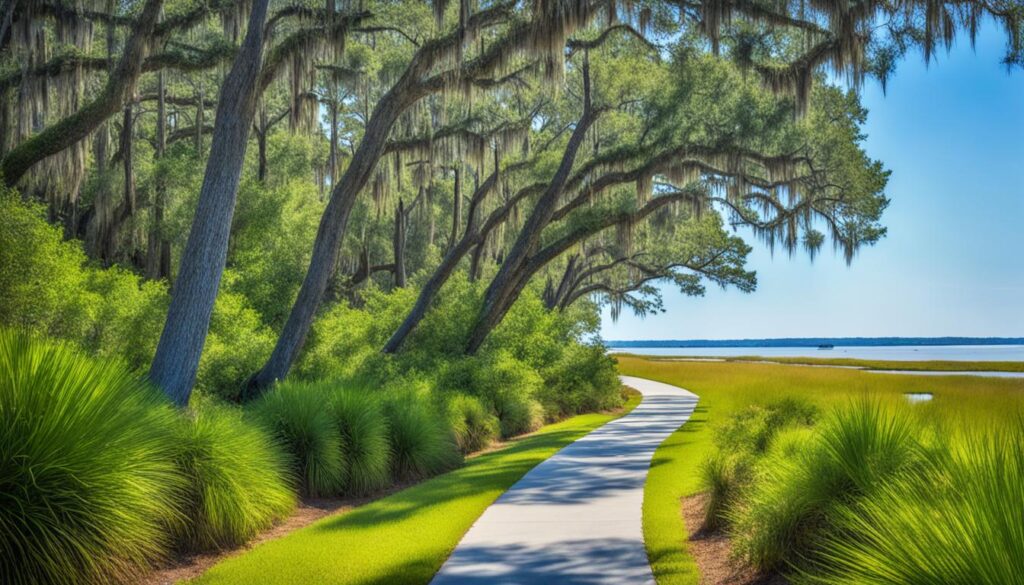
column 359, row 415
column 87, row 475
column 958, row 522
column 753, row 428
column 475, row 428
column 583, row 380
column 299, row 416
column 237, row 478
column 421, row 443
column 504, row 384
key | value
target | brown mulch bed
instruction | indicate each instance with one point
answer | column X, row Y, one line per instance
column 712, row 550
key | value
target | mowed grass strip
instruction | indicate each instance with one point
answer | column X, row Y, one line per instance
column 403, row 538
column 724, row 387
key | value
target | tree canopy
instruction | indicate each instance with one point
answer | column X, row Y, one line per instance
column 584, row 150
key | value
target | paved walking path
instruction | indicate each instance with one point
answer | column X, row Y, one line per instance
column 575, row 518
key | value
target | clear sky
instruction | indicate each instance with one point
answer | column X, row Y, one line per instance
column 952, row 264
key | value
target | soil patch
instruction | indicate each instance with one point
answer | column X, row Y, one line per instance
column 712, row 550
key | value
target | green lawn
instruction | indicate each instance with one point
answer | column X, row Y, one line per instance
column 403, row 538
column 724, row 387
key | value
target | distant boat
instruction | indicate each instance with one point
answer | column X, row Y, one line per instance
column 826, row 346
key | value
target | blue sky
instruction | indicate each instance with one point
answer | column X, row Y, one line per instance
column 952, row 264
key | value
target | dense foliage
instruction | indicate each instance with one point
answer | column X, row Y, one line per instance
column 102, row 478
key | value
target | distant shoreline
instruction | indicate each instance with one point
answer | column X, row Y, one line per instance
column 815, row 342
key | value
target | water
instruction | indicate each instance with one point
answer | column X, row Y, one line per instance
column 915, row 397
column 903, row 353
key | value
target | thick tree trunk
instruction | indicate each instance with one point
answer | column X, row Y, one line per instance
column 328, row 238
column 399, row 244
column 68, row 131
column 188, row 318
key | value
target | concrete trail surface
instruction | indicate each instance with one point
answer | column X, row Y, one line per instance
column 575, row 518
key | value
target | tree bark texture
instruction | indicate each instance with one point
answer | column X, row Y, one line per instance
column 195, row 291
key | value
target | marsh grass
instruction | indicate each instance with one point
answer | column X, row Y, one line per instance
column 789, row 509
column 921, row 366
column 959, row 521
column 960, row 403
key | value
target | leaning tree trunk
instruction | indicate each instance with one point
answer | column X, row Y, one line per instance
column 188, row 318
column 506, row 285
column 470, row 238
column 427, row 294
column 68, row 131
column 328, row 239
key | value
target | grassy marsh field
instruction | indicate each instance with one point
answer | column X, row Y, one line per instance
column 960, row 403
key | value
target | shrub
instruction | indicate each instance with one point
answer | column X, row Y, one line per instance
column 959, row 522
column 506, row 385
column 235, row 347
column 583, row 380
column 237, row 478
column 517, row 413
column 364, row 431
column 298, row 415
column 753, row 428
column 421, row 443
column 474, row 427
column 87, row 477
column 791, row 507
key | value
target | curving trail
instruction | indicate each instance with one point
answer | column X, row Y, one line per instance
column 576, row 518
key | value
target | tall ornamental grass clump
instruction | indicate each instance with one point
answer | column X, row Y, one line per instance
column 784, row 516
column 959, row 522
column 237, row 478
column 359, row 415
column 87, row 474
column 300, row 418
column 422, row 444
